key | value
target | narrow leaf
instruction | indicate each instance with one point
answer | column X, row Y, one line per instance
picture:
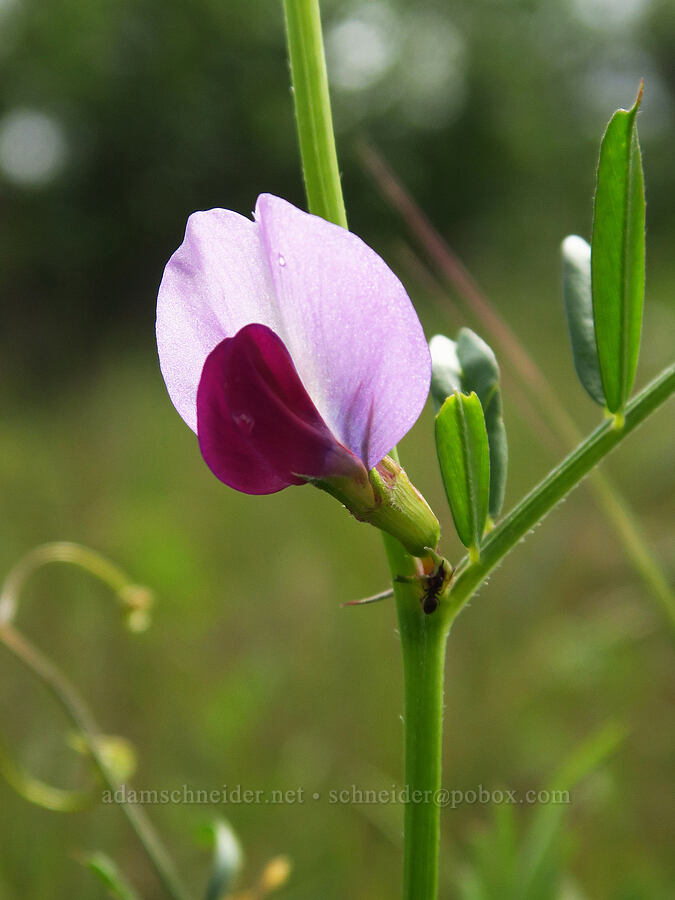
column 462, row 447
column 107, row 872
column 618, row 256
column 466, row 365
column 576, row 265
column 227, row 860
column 481, row 374
column 446, row 371
column 479, row 364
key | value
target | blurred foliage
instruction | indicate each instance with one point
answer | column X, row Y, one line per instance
column 251, row 673
column 490, row 110
column 501, row 863
column 108, row 874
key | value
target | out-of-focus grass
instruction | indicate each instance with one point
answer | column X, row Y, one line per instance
column 253, row 675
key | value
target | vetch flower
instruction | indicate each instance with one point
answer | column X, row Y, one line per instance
column 295, row 354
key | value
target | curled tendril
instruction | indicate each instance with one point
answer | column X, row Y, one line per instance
column 135, row 600
column 111, row 757
column 35, row 791
column 117, row 752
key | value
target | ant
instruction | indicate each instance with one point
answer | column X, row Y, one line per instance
column 433, row 585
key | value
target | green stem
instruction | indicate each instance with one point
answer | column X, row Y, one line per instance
column 423, row 642
column 78, row 712
column 422, row 637
column 312, row 110
column 557, row 484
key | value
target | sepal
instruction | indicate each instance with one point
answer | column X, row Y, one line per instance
column 389, row 501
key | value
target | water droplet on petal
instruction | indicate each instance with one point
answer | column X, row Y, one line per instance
column 244, row 422
column 282, row 259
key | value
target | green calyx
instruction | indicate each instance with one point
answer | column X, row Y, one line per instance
column 389, row 501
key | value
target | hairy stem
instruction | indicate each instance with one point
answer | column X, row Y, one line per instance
column 557, row 484
column 423, row 643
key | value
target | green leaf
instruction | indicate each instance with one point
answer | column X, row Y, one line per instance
column 463, row 454
column 227, row 860
column 446, row 370
column 466, row 365
column 576, row 264
column 481, row 374
column 618, row 256
column 107, row 872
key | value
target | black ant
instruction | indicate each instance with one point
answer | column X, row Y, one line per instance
column 433, row 585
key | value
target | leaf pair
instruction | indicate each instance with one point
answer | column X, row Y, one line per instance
column 470, row 433
column 603, row 285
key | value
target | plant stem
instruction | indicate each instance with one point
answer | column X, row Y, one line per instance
column 423, row 641
column 312, row 110
column 78, row 712
column 557, row 484
column 422, row 637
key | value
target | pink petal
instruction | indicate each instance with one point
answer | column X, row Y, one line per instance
column 349, row 326
column 215, row 283
column 345, row 318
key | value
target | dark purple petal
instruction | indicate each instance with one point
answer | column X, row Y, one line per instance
column 258, row 429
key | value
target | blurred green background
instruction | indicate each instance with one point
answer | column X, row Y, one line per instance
column 117, row 119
